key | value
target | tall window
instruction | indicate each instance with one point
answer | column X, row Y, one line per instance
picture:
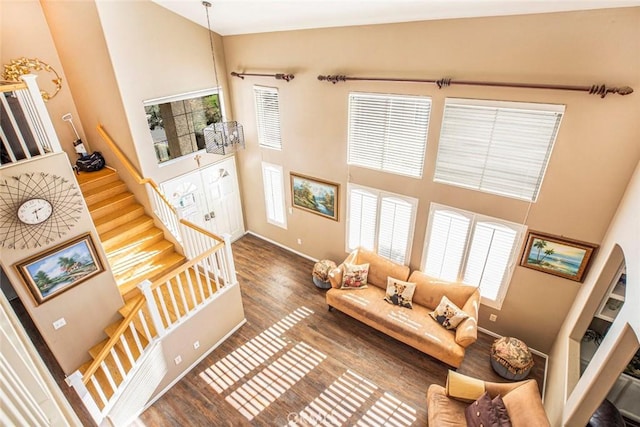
column 381, row 222
column 474, row 249
column 268, row 117
column 388, row 132
column 273, row 180
column 497, row 147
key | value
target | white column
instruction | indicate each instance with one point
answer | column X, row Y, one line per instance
column 145, row 288
column 41, row 110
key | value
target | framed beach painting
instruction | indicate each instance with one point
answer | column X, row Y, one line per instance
column 56, row 270
column 557, row 255
column 315, row 195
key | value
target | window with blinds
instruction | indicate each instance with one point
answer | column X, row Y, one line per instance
column 381, row 222
column 474, row 249
column 268, row 117
column 497, row 147
column 273, row 180
column 388, row 132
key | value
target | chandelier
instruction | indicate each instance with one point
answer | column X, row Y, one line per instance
column 222, row 137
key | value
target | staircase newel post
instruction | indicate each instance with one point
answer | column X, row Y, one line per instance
column 230, row 264
column 145, row 288
column 75, row 380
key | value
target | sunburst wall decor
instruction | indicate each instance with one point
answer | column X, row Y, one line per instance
column 37, row 209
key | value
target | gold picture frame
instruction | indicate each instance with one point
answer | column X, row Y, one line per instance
column 557, row 255
column 58, row 269
column 315, row 195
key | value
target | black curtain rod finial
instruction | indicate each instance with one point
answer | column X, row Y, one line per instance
column 278, row 76
column 234, row 74
column 285, row 77
column 333, row 78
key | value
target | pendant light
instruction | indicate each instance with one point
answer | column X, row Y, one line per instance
column 222, row 137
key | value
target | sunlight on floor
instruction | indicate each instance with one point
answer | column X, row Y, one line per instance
column 388, row 411
column 336, row 403
column 268, row 385
column 226, row 372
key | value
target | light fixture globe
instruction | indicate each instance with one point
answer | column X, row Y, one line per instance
column 223, row 137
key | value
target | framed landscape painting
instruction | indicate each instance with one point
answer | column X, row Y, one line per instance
column 315, row 195
column 557, row 255
column 56, row 270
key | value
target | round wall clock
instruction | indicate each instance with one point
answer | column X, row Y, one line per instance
column 37, row 209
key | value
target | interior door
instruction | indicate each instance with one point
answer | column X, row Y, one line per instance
column 209, row 197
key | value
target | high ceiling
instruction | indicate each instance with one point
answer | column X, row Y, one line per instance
column 230, row 17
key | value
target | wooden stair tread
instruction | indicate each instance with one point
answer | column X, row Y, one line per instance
column 148, row 271
column 122, row 216
column 89, row 179
column 104, row 191
column 142, row 240
column 137, row 253
column 127, row 231
column 111, row 204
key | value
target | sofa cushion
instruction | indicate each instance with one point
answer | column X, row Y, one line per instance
column 525, row 405
column 448, row 314
column 380, row 268
column 399, row 292
column 463, row 387
column 429, row 291
column 501, row 412
column 355, row 276
column 481, row 413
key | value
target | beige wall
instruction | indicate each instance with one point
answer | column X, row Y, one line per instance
column 596, row 150
column 88, row 307
column 156, row 53
column 24, row 33
column 571, row 400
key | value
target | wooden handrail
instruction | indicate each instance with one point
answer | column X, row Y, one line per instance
column 132, row 170
column 6, row 86
column 183, row 267
column 201, row 230
column 115, row 338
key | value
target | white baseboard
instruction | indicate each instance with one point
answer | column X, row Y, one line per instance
column 282, row 246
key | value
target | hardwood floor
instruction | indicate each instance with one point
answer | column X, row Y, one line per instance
column 304, row 360
column 312, row 359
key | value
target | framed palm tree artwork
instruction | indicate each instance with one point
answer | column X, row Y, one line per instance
column 56, row 270
column 557, row 255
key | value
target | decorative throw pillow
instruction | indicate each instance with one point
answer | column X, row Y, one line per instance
column 399, row 292
column 355, row 276
column 501, row 412
column 448, row 314
column 481, row 413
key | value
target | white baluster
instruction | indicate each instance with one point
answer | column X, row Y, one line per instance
column 75, row 380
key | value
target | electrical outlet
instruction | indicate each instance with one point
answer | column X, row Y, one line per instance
column 493, row 317
column 299, row 241
column 178, row 360
column 196, row 345
column 59, row 323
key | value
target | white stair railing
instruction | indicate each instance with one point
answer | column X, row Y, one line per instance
column 29, row 132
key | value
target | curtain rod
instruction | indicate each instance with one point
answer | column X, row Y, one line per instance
column 601, row 89
column 278, row 76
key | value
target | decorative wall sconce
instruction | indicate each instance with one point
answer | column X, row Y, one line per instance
column 22, row 66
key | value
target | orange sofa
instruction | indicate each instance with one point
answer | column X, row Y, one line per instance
column 522, row 400
column 411, row 326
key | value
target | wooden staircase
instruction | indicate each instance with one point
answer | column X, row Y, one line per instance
column 136, row 249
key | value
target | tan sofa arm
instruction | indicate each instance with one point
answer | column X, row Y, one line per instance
column 467, row 331
column 335, row 275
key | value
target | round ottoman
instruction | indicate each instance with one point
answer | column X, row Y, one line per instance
column 511, row 358
column 320, row 274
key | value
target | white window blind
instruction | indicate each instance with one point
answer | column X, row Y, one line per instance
column 362, row 218
column 474, row 249
column 273, row 179
column 381, row 222
column 268, row 117
column 388, row 132
column 497, row 147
